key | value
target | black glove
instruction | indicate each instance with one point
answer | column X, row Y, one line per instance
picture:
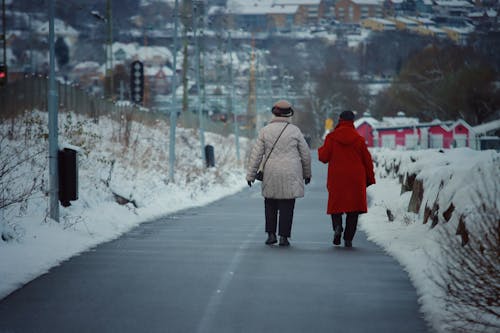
column 249, row 183
column 308, row 180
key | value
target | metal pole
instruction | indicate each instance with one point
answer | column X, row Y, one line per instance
column 198, row 85
column 202, row 69
column 173, row 111
column 32, row 67
column 4, row 42
column 235, row 117
column 53, row 135
column 109, row 50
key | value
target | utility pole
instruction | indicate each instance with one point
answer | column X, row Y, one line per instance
column 201, row 45
column 252, row 98
column 109, row 51
column 4, row 44
column 231, row 100
column 32, row 65
column 196, row 18
column 53, row 123
column 173, row 111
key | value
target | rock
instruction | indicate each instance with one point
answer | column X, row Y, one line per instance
column 123, row 201
column 390, row 216
column 7, row 236
column 427, row 213
column 407, row 183
column 416, row 196
column 462, row 231
column 448, row 212
column 435, row 214
column 6, row 232
column 432, row 213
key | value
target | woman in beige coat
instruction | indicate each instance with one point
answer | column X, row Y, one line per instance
column 286, row 169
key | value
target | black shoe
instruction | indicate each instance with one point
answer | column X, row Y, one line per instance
column 284, row 241
column 271, row 239
column 337, row 235
column 348, row 243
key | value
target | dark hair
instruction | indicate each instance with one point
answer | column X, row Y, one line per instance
column 347, row 115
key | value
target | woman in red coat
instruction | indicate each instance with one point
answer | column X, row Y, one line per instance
column 350, row 172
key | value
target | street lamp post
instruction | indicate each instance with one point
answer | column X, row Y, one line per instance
column 53, row 123
column 196, row 10
column 109, row 52
column 173, row 111
column 232, row 109
column 4, row 42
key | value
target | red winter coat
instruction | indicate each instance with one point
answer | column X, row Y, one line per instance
column 350, row 169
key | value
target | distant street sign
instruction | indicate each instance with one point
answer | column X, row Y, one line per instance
column 137, row 82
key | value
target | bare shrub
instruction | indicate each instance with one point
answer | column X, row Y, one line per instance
column 470, row 273
column 77, row 131
column 22, row 165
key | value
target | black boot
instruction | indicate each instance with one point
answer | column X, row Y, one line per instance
column 337, row 235
column 271, row 238
column 284, row 241
column 347, row 243
column 337, row 228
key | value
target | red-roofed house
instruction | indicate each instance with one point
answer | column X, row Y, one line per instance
column 414, row 135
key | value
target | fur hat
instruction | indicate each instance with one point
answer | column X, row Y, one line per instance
column 282, row 108
column 347, row 115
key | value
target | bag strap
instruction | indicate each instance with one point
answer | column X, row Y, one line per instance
column 263, row 165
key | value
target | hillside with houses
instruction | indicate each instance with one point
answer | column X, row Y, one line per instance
column 126, row 134
column 369, row 49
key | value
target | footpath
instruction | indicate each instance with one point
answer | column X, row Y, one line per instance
column 208, row 270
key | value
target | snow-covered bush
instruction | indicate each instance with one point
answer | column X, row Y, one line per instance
column 458, row 192
column 470, row 275
column 120, row 185
column 121, row 158
column 23, row 163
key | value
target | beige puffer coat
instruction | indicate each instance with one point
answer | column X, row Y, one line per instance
column 288, row 165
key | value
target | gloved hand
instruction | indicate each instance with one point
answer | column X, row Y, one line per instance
column 249, row 183
column 307, row 180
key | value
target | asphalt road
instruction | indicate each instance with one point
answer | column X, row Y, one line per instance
column 208, row 270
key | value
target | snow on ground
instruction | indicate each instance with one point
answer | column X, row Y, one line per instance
column 457, row 176
column 140, row 173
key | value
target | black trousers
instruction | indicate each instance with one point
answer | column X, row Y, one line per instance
column 285, row 209
column 351, row 223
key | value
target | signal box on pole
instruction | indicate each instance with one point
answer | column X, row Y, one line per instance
column 137, row 82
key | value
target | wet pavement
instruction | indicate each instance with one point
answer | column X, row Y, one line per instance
column 207, row 270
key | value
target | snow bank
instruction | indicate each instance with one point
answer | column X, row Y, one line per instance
column 462, row 178
column 137, row 172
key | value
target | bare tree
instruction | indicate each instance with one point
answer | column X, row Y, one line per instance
column 445, row 82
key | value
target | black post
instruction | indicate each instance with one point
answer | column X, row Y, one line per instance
column 68, row 176
column 209, row 156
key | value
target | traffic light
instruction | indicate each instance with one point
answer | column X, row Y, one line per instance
column 137, row 82
column 3, row 75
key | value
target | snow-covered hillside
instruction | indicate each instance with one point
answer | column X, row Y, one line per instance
column 107, row 168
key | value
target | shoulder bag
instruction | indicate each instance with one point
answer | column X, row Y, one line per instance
column 260, row 174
